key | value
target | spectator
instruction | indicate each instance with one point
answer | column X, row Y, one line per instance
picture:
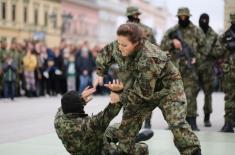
column 71, row 73
column 59, row 65
column 9, row 78
column 29, row 65
column 85, row 65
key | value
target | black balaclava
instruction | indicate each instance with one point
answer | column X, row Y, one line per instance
column 133, row 19
column 72, row 102
column 184, row 23
column 204, row 22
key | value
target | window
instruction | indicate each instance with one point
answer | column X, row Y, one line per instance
column 53, row 18
column 55, row 22
column 14, row 12
column 36, row 17
column 45, row 18
column 25, row 14
column 3, row 10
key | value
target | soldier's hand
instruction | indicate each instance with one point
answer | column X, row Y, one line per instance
column 114, row 98
column 116, row 86
column 177, row 44
column 99, row 81
column 86, row 94
column 193, row 61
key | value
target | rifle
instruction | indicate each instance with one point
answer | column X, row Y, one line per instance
column 186, row 52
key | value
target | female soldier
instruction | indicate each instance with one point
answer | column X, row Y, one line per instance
column 150, row 81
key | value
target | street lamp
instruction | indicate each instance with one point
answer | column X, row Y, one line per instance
column 53, row 18
column 66, row 18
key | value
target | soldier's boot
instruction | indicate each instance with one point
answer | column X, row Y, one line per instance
column 144, row 135
column 147, row 123
column 233, row 119
column 207, row 122
column 228, row 127
column 197, row 152
column 192, row 122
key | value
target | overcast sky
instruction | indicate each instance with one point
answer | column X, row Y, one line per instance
column 215, row 9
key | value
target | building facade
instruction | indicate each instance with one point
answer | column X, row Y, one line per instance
column 229, row 7
column 96, row 21
column 111, row 15
column 31, row 19
column 80, row 20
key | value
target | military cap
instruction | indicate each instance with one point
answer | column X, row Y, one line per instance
column 132, row 10
column 232, row 17
column 184, row 11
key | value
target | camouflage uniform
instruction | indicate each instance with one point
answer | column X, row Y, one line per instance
column 228, row 49
column 152, row 81
column 83, row 135
column 148, row 34
column 205, row 69
column 111, row 138
column 195, row 38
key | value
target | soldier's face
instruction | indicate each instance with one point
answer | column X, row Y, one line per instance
column 125, row 46
column 183, row 17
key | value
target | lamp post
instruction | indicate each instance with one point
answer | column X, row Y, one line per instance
column 66, row 19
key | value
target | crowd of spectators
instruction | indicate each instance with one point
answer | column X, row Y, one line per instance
column 32, row 69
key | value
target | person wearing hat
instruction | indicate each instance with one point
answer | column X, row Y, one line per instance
column 227, row 40
column 85, row 135
column 133, row 13
column 205, row 69
column 185, row 37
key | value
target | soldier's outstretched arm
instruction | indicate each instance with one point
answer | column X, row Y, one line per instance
column 102, row 119
column 105, row 59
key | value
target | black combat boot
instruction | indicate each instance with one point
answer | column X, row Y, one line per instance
column 192, row 122
column 228, row 127
column 233, row 122
column 144, row 135
column 207, row 122
column 147, row 124
column 197, row 152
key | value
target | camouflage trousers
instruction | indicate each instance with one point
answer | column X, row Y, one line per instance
column 110, row 143
column 205, row 77
column 174, row 112
column 229, row 87
column 191, row 88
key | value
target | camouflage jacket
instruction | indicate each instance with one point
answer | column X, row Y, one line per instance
column 81, row 134
column 192, row 35
column 212, row 44
column 228, row 54
column 146, row 74
column 148, row 33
